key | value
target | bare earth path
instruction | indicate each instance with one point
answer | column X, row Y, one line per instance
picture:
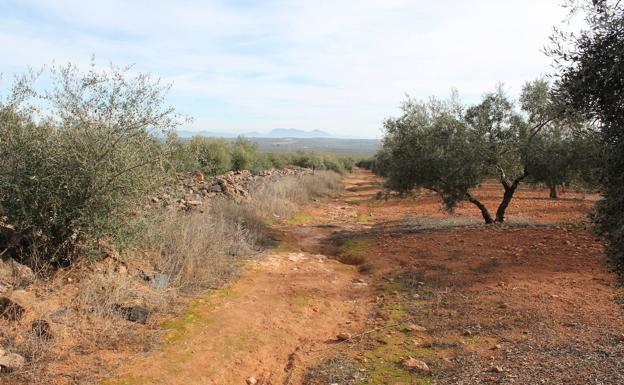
column 528, row 303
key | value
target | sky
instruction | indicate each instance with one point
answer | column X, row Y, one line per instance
column 339, row 66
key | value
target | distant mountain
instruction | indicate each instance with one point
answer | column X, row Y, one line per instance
column 211, row 134
column 274, row 133
column 294, row 133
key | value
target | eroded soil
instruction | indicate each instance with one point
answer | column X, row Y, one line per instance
column 531, row 302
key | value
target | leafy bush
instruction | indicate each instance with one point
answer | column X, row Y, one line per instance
column 591, row 81
column 243, row 154
column 213, row 155
column 75, row 174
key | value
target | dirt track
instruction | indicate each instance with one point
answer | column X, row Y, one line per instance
column 525, row 304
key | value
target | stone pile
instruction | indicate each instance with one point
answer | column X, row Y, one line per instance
column 193, row 190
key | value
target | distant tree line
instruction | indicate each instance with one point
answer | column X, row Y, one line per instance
column 215, row 156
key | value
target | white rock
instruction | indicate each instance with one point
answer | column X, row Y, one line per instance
column 414, row 364
column 12, row 361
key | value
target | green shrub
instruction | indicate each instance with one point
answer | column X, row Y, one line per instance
column 367, row 163
column 243, row 154
column 180, row 158
column 213, row 155
column 74, row 176
column 333, row 164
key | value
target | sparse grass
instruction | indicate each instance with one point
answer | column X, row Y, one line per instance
column 354, row 251
column 176, row 329
column 364, row 218
column 301, row 218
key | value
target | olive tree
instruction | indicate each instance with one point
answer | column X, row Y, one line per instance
column 80, row 159
column 431, row 146
column 446, row 148
column 553, row 161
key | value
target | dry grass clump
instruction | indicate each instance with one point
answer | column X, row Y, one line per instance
column 335, row 370
column 101, row 293
column 280, row 198
column 200, row 250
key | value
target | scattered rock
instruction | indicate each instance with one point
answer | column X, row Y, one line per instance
column 418, row 365
column 497, row 369
column 344, row 336
column 14, row 275
column 138, row 314
column 416, row 328
column 10, row 310
column 10, row 361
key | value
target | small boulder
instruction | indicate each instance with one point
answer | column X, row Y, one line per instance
column 10, row 361
column 417, row 365
column 344, row 336
column 14, row 274
column 497, row 369
column 10, row 310
column 416, row 328
column 251, row 381
column 138, row 314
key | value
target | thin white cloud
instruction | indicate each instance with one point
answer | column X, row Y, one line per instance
column 341, row 66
